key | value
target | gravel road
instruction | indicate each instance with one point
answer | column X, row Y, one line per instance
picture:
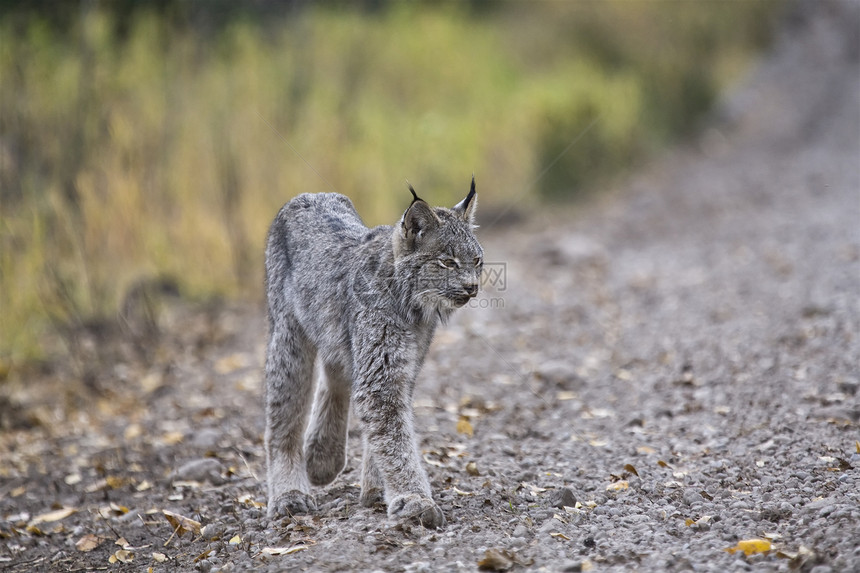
column 646, row 382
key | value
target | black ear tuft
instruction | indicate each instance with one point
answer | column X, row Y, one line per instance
column 466, row 207
column 415, row 196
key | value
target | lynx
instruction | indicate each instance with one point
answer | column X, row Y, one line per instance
column 364, row 303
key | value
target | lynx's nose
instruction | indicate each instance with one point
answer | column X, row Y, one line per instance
column 471, row 290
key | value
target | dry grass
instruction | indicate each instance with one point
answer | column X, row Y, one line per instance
column 165, row 153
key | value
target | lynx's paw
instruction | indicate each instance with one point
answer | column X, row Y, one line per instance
column 293, row 502
column 324, row 463
column 414, row 506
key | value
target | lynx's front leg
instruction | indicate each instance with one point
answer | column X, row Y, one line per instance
column 289, row 389
column 386, row 366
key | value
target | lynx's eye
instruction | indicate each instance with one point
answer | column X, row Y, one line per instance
column 448, row 263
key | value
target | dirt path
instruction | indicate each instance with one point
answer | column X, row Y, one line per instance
column 658, row 377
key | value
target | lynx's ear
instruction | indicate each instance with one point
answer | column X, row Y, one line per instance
column 466, row 207
column 418, row 218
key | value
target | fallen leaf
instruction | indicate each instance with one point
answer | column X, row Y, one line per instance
column 159, row 557
column 631, row 469
column 230, row 364
column 496, row 560
column 461, row 492
column 618, row 486
column 645, row 450
column 689, row 521
column 87, row 543
column 465, row 427
column 143, row 486
column 72, row 479
column 203, row 555
column 122, row 556
column 559, row 535
column 472, row 469
column 249, row 500
column 532, row 488
column 132, row 431
column 235, row 540
column 284, row 550
column 118, row 509
column 181, row 524
column 121, row 542
column 857, row 446
column 51, row 516
column 663, row 464
column 751, row 546
column 172, row 438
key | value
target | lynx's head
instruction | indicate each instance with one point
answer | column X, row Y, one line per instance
column 437, row 248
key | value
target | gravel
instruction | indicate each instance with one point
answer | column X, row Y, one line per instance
column 666, row 372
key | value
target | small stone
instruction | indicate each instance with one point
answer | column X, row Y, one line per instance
column 520, row 531
column 550, row 525
column 418, row 567
column 691, row 497
column 206, row 439
column 212, row 531
column 571, row 566
column 562, row 497
column 204, row 469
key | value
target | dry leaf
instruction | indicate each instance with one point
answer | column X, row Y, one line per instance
column 230, row 364
column 461, row 492
column 87, row 543
column 159, row 557
column 172, row 438
column 249, row 500
column 618, row 486
column 121, row 555
column 631, row 469
column 751, row 546
column 857, row 446
column 132, row 431
column 465, row 427
column 496, row 560
column 560, row 536
column 235, row 540
column 472, row 469
column 181, row 524
column 51, row 516
column 645, row 450
column 663, row 464
column 284, row 550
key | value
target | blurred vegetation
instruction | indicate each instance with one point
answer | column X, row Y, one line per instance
column 152, row 143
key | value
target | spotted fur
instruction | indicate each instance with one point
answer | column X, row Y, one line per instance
column 362, row 304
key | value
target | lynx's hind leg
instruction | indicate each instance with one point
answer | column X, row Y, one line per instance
column 289, row 389
column 325, row 441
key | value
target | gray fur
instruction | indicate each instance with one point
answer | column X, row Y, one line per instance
column 364, row 303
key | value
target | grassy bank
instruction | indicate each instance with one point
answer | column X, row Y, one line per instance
column 149, row 150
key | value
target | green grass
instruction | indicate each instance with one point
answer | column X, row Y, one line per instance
column 165, row 152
